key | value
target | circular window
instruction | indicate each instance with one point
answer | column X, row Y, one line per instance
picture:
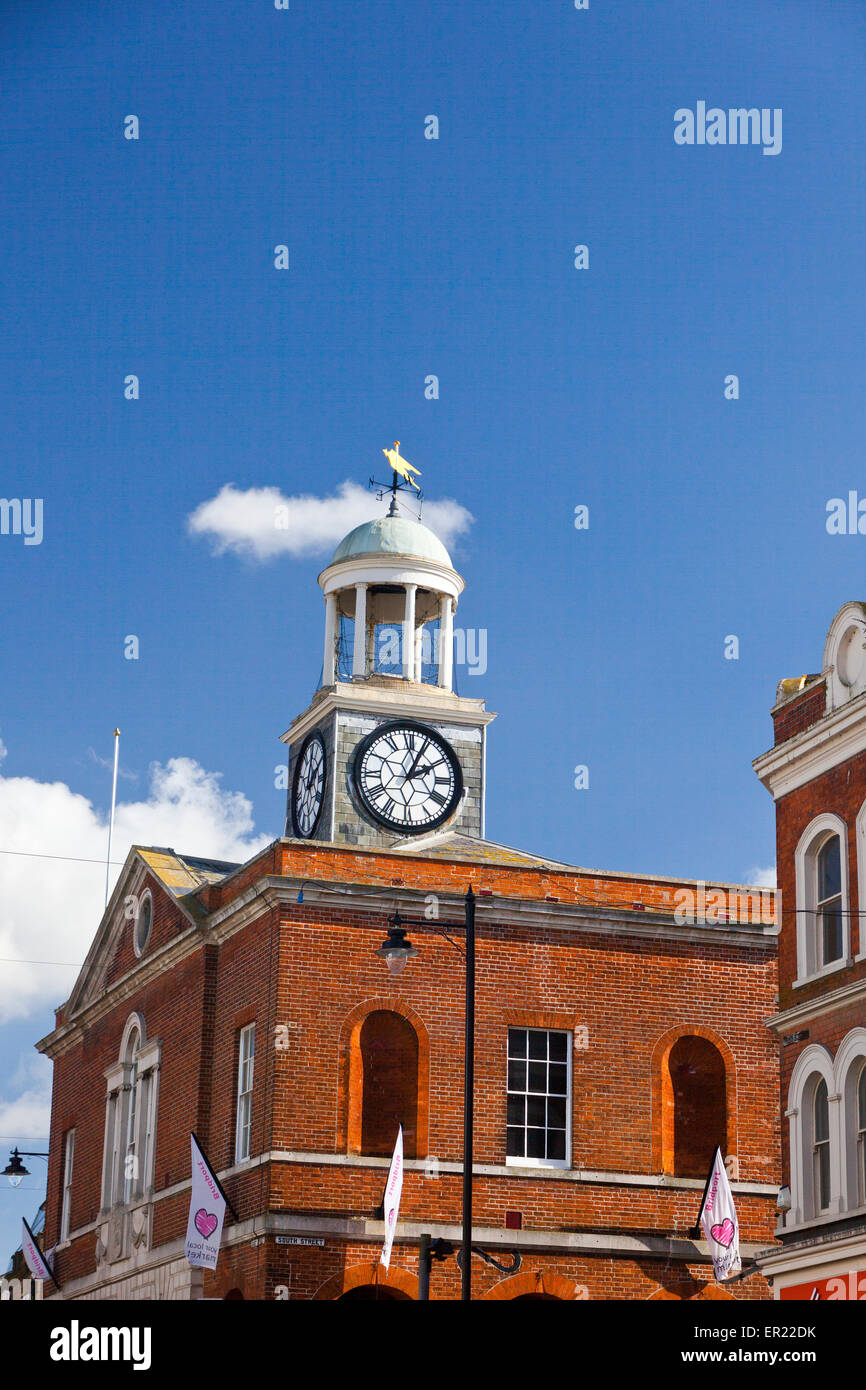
column 143, row 923
column 851, row 656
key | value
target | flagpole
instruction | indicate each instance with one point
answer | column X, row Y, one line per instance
column 111, row 819
column 208, row 1165
column 695, row 1231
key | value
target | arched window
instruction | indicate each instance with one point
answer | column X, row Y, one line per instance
column 828, row 909
column 821, row 1146
column 699, row 1093
column 818, row 1176
column 823, row 927
column 130, row 1117
column 130, row 1161
column 389, row 1083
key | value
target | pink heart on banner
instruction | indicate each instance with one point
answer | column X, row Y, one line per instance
column 724, row 1233
column 205, row 1223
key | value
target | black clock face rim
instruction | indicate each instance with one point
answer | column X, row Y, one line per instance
column 413, row 727
column 314, row 738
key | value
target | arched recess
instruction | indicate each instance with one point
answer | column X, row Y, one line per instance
column 389, row 1083
column 350, row 1083
column 663, row 1116
column 536, row 1284
column 370, row 1276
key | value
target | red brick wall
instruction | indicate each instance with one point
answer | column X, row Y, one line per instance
column 842, row 791
column 313, row 972
column 627, row 992
column 325, row 1273
column 799, row 713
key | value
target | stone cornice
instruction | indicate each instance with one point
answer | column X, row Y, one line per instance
column 593, row 1176
column 148, row 968
column 833, row 739
column 806, row 1254
column 522, row 912
column 350, row 1229
column 821, row 1004
column 394, row 568
column 407, row 700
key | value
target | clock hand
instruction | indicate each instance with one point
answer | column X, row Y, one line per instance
column 411, row 773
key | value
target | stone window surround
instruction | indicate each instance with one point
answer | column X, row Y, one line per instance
column 805, row 857
column 117, row 1101
column 842, row 1076
column 860, row 836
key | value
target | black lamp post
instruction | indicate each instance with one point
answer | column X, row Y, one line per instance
column 397, row 951
column 15, row 1169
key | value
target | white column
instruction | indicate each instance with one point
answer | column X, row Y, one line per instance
column 409, row 634
column 795, row 1149
column 446, row 640
column 359, row 651
column 330, row 639
column 838, row 1154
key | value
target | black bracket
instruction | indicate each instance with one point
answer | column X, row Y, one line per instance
column 516, row 1260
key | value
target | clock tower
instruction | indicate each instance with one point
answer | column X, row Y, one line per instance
column 387, row 752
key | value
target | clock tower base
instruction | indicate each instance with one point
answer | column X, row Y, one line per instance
column 345, row 713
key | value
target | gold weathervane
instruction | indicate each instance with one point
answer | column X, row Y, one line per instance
column 401, row 466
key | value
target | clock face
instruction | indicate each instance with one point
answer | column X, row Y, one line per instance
column 308, row 787
column 408, row 777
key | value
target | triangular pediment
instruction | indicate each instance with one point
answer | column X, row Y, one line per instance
column 179, row 876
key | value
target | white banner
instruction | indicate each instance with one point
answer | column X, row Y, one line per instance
column 207, row 1209
column 393, row 1188
column 719, row 1221
column 36, row 1262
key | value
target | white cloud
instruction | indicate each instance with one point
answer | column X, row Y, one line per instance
column 761, row 878
column 261, row 523
column 29, row 1113
column 50, row 908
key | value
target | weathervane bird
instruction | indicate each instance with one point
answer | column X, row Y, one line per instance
column 400, row 465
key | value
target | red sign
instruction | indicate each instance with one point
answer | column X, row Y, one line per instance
column 839, row 1286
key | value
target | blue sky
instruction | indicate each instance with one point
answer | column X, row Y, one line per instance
column 558, row 387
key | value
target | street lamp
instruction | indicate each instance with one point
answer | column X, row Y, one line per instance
column 397, row 951
column 15, row 1169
